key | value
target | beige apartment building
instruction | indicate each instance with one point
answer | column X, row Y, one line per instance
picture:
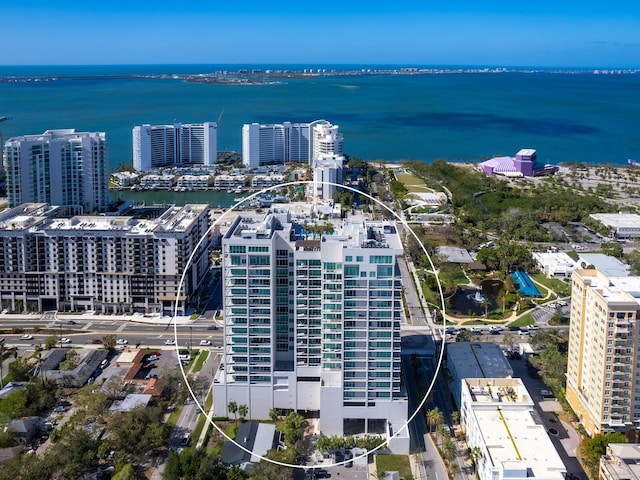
column 103, row 263
column 603, row 371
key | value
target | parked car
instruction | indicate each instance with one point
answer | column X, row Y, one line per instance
column 186, row 438
column 122, row 341
column 169, row 341
column 545, row 393
column 205, row 343
column 149, row 365
column 153, row 358
column 65, row 340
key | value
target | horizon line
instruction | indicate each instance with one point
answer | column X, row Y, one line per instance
column 321, row 64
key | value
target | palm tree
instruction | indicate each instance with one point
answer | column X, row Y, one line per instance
column 455, row 416
column 434, row 417
column 475, row 454
column 441, row 432
column 243, row 410
column 450, row 449
column 232, row 407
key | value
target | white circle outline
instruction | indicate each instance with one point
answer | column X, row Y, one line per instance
column 435, row 375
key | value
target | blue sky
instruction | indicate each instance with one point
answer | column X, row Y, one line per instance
column 565, row 33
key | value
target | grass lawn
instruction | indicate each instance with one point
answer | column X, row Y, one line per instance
column 200, row 362
column 523, row 321
column 173, row 417
column 394, row 463
column 558, row 286
column 412, row 183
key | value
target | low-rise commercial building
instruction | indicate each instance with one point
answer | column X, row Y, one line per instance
column 501, row 422
column 555, row 264
column 621, row 225
column 474, row 360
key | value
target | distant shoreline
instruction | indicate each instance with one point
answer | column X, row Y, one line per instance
column 267, row 76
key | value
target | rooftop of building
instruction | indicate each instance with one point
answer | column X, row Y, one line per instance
column 455, row 254
column 498, row 391
column 613, row 289
column 606, row 264
column 64, row 133
column 131, row 401
column 618, row 220
column 557, row 259
column 518, row 441
column 355, row 231
column 27, row 216
column 478, row 359
column 622, row 461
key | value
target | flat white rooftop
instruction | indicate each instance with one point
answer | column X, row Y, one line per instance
column 516, row 440
column 618, row 220
column 616, row 289
column 606, row 264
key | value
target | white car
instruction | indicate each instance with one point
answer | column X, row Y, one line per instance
column 65, row 340
column 26, row 336
column 205, row 343
column 122, row 341
column 170, row 341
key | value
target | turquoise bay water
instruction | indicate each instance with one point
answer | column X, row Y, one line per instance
column 458, row 117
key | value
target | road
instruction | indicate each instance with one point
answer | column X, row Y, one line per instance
column 84, row 331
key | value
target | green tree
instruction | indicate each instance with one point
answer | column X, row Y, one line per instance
column 613, row 249
column 109, row 342
column 441, row 433
column 269, row 471
column 593, row 448
column 50, row 342
column 475, row 454
column 274, row 414
column 243, row 411
column 212, row 469
column 18, row 371
column 8, row 438
column 138, row 432
column 292, row 429
column 172, row 468
column 70, row 361
column 125, row 473
column 434, row 417
column 232, row 407
column 449, row 449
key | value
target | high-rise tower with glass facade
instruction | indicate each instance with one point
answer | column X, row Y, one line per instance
column 313, row 323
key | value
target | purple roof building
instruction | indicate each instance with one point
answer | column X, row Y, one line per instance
column 523, row 165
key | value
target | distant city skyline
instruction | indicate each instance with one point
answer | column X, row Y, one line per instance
column 594, row 34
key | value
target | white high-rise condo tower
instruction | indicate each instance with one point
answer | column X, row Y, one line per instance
column 312, row 323
column 267, row 144
column 61, row 167
column 174, row 145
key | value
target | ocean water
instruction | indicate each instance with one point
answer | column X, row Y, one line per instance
column 457, row 117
